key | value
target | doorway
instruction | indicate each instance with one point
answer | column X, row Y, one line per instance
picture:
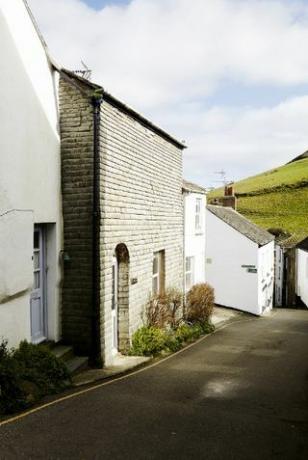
column 120, row 299
column 38, row 294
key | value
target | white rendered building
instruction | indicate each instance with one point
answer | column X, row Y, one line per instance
column 30, row 197
column 239, row 261
column 194, row 234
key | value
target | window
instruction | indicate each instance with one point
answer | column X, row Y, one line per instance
column 198, row 225
column 189, row 272
column 158, row 272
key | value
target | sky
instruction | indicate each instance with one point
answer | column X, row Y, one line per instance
column 230, row 77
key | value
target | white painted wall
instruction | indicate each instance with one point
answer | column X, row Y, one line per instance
column 194, row 240
column 279, row 258
column 302, row 275
column 227, row 253
column 29, row 168
column 265, row 277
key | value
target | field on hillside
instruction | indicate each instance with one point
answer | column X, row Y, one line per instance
column 277, row 198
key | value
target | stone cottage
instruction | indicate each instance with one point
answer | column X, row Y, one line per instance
column 123, row 216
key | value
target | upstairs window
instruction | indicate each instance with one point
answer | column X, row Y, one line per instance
column 198, row 222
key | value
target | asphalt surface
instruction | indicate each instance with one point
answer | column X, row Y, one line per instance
column 242, row 393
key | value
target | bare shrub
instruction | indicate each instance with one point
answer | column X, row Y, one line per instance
column 165, row 309
column 200, row 302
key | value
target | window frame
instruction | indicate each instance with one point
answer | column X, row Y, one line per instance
column 190, row 272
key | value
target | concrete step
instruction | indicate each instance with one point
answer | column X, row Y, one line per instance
column 77, row 364
column 63, row 352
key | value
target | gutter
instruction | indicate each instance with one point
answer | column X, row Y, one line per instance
column 96, row 357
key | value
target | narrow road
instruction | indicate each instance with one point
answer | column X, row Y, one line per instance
column 242, row 393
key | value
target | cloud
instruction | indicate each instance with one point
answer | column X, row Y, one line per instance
column 166, row 57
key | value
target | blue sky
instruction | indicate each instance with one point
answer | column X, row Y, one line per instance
column 230, row 77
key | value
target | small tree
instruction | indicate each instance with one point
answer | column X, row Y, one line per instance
column 200, row 303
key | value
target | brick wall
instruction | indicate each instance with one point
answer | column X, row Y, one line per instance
column 76, row 124
column 141, row 192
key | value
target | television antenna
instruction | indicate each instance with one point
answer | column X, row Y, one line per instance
column 85, row 72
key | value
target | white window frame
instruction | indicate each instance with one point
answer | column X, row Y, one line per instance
column 158, row 276
column 198, row 215
column 189, row 272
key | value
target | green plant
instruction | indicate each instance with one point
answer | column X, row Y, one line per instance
column 41, row 367
column 12, row 396
column 148, row 341
column 200, row 303
column 27, row 374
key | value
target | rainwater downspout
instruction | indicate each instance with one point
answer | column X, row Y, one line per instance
column 96, row 358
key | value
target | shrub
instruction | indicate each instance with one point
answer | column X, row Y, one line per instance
column 148, row 341
column 41, row 367
column 27, row 374
column 200, row 303
column 164, row 309
column 12, row 396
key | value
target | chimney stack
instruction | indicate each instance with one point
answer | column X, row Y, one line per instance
column 229, row 199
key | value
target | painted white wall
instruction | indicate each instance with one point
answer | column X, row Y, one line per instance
column 266, row 277
column 302, row 275
column 279, row 258
column 29, row 164
column 227, row 251
column 194, row 240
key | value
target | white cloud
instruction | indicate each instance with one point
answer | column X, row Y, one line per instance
column 165, row 56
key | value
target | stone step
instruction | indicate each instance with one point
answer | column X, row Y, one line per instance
column 63, row 352
column 77, row 364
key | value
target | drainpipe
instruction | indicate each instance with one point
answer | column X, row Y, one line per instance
column 96, row 358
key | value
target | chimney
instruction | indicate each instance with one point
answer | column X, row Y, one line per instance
column 229, row 198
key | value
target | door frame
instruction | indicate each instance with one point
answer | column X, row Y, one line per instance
column 114, row 306
column 41, row 230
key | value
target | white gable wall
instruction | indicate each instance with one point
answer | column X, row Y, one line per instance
column 195, row 240
column 29, row 170
column 226, row 251
column 266, row 277
column 302, row 275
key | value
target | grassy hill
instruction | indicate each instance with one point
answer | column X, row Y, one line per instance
column 276, row 198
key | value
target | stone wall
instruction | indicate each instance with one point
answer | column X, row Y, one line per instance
column 141, row 193
column 76, row 123
column 141, row 208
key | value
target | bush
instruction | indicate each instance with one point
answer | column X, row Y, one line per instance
column 148, row 341
column 164, row 309
column 27, row 374
column 12, row 396
column 200, row 303
column 40, row 366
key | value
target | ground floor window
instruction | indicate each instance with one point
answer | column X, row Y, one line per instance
column 158, row 275
column 189, row 272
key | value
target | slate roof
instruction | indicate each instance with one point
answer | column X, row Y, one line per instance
column 299, row 157
column 241, row 224
column 303, row 244
column 194, row 188
column 81, row 82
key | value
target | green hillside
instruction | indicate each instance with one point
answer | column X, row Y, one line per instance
column 276, row 198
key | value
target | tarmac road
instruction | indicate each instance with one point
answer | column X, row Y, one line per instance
column 242, row 393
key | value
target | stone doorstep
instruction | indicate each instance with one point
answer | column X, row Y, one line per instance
column 121, row 364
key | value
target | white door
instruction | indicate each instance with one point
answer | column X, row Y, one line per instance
column 37, row 303
column 114, row 305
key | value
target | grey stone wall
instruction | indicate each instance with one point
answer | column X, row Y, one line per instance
column 141, row 192
column 141, row 204
column 76, row 125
